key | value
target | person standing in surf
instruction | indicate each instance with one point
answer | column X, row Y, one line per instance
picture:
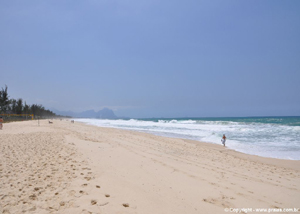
column 223, row 140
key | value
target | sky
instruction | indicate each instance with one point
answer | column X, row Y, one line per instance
column 151, row 58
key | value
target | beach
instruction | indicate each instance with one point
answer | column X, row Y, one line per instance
column 67, row 167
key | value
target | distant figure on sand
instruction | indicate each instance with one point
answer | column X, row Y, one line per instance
column 1, row 121
column 223, row 140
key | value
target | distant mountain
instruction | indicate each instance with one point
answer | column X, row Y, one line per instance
column 105, row 113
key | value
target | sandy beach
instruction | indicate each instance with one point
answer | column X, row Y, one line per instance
column 69, row 167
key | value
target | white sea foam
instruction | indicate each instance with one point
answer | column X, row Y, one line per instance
column 268, row 140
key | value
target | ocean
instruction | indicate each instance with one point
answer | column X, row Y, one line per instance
column 276, row 137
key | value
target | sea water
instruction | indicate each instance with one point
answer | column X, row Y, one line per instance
column 276, row 137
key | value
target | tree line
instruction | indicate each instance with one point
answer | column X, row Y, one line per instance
column 18, row 106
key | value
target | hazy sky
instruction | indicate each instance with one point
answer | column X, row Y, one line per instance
column 150, row 58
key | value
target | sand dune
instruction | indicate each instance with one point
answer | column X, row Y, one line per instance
column 75, row 168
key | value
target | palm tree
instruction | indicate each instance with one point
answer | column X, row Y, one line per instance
column 19, row 107
column 26, row 109
column 13, row 106
column 4, row 101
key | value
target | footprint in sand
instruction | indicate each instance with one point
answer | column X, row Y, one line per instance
column 93, row 202
column 83, row 192
column 33, row 197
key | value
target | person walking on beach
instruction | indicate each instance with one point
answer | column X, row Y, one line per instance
column 223, row 140
column 1, row 121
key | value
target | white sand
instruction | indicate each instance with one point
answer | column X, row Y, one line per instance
column 75, row 168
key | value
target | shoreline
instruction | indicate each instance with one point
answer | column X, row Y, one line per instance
column 292, row 164
column 109, row 170
column 285, row 162
column 262, row 138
